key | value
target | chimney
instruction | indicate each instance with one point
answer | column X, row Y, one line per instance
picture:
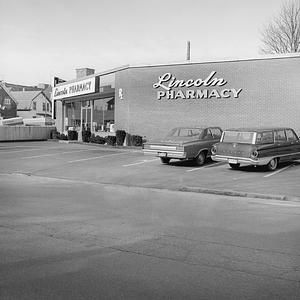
column 188, row 50
column 43, row 86
column 83, row 72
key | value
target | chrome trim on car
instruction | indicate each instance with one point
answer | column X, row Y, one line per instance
column 162, row 147
column 241, row 160
column 171, row 154
column 258, row 161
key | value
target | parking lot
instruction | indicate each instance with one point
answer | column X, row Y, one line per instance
column 130, row 167
column 90, row 222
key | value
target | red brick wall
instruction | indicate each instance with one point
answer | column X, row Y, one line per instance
column 270, row 97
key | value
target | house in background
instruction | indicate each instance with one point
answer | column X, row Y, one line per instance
column 32, row 104
column 8, row 105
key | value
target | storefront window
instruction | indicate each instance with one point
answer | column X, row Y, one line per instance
column 72, row 118
column 104, row 114
column 104, row 108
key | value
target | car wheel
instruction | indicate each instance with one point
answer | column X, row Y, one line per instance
column 234, row 166
column 272, row 165
column 165, row 160
column 200, row 159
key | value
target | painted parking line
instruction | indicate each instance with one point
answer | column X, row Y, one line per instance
column 140, row 162
column 279, row 171
column 13, row 147
column 97, row 157
column 206, row 167
column 33, row 149
column 58, row 153
column 277, row 203
column 215, row 164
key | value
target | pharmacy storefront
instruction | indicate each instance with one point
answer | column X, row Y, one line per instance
column 86, row 104
column 149, row 100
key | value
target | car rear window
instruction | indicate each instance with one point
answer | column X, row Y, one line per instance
column 266, row 137
column 185, row 132
column 238, row 137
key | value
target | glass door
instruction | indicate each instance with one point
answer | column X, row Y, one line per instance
column 86, row 113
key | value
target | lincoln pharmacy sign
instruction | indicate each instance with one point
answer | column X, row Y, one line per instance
column 211, row 87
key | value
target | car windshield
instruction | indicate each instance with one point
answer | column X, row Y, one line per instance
column 184, row 133
column 238, row 137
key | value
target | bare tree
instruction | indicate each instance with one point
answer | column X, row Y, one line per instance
column 282, row 35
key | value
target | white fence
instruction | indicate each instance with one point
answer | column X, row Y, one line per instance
column 25, row 133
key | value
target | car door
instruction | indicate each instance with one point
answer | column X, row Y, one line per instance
column 294, row 144
column 282, row 146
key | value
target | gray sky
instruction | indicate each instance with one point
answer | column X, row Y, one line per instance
column 40, row 39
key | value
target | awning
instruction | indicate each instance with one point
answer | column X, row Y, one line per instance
column 89, row 97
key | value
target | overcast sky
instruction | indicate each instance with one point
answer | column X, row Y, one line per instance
column 41, row 39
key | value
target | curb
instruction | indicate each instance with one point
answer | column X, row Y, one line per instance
column 238, row 194
column 124, row 148
column 229, row 193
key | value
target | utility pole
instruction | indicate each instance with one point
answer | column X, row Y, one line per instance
column 188, row 50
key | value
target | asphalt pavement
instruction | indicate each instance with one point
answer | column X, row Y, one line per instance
column 87, row 222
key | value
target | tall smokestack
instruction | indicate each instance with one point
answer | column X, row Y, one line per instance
column 188, row 50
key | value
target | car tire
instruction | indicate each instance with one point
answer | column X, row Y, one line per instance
column 200, row 159
column 272, row 165
column 234, row 166
column 165, row 160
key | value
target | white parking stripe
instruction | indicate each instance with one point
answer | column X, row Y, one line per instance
column 134, row 164
column 284, row 204
column 277, row 203
column 1, row 152
column 96, row 157
column 195, row 169
column 140, row 162
column 53, row 154
column 278, row 171
column 207, row 166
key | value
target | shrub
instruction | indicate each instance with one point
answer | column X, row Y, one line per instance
column 97, row 139
column 86, row 136
column 136, row 140
column 54, row 134
column 120, row 137
column 72, row 135
column 63, row 137
column 111, row 140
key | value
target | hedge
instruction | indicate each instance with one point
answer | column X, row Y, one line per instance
column 86, row 135
column 111, row 140
column 136, row 140
column 97, row 139
column 72, row 135
column 120, row 137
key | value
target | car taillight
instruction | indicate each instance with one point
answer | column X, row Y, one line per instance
column 254, row 154
column 214, row 150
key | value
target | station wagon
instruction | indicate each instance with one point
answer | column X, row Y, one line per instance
column 253, row 146
column 185, row 143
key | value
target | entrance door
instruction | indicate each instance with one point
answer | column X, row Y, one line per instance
column 86, row 113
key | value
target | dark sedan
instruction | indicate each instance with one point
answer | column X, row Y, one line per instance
column 185, row 143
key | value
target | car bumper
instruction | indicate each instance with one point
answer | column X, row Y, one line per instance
column 167, row 153
column 241, row 160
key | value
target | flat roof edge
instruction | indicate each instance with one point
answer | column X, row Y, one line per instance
column 210, row 61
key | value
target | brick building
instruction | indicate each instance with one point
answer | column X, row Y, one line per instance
column 149, row 100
